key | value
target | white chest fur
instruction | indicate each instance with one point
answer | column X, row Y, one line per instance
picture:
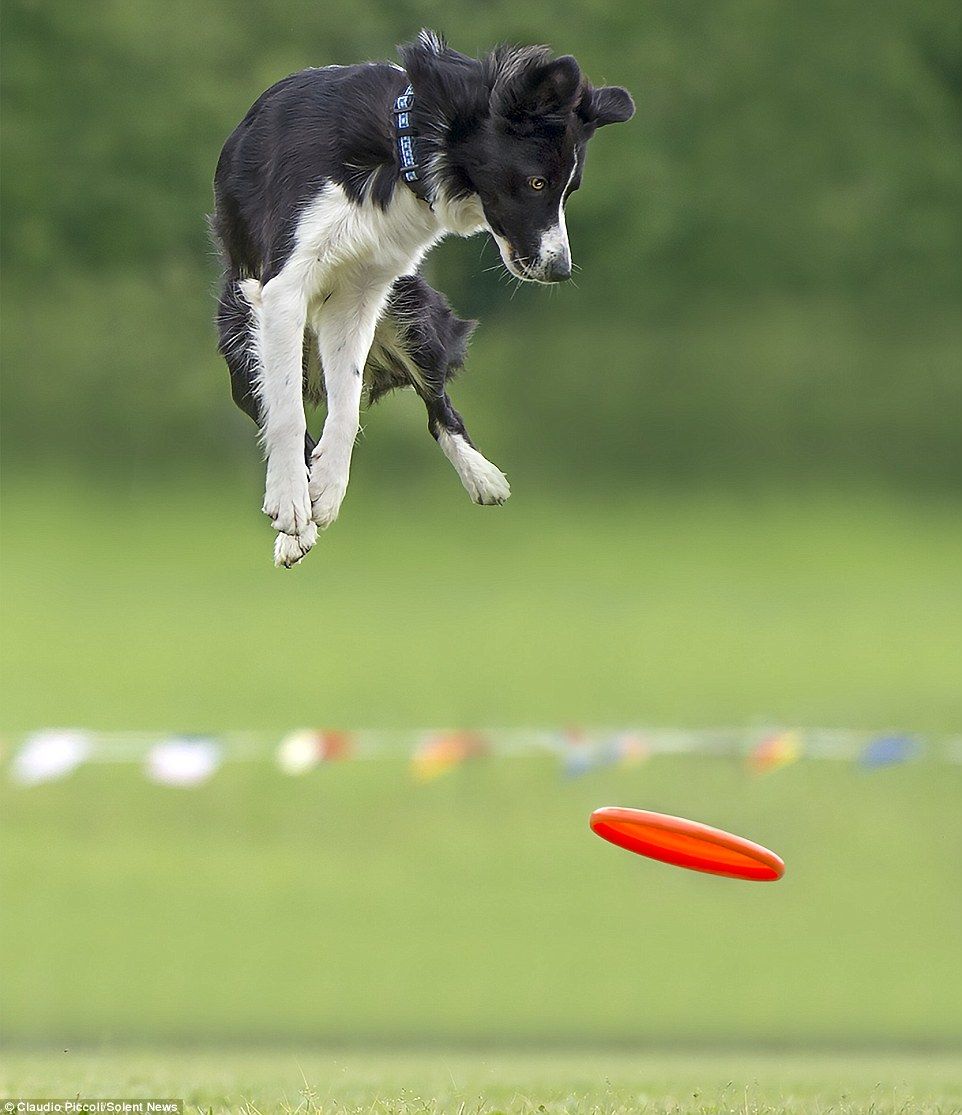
column 334, row 234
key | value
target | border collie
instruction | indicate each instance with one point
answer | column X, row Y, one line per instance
column 327, row 196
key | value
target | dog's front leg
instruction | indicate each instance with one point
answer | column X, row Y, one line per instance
column 345, row 332
column 280, row 313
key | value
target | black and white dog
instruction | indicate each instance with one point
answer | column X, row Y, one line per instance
column 327, row 196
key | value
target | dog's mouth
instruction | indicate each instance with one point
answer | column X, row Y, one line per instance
column 520, row 267
column 520, row 270
column 515, row 264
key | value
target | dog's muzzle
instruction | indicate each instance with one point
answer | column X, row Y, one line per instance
column 552, row 264
column 556, row 271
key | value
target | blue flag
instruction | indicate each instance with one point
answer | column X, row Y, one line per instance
column 887, row 750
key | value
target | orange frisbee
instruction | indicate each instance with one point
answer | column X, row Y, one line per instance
column 686, row 844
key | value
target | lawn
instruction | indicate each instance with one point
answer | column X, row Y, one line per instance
column 458, row 1082
column 356, row 905
column 155, row 605
column 229, row 943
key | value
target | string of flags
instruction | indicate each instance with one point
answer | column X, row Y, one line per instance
column 440, row 752
column 775, row 751
column 586, row 752
column 300, row 751
column 54, row 754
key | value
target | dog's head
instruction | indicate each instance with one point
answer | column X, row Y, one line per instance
column 512, row 130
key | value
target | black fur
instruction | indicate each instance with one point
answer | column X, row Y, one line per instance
column 483, row 126
column 322, row 125
column 435, row 339
column 494, row 124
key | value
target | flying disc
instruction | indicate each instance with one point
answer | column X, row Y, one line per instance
column 686, row 843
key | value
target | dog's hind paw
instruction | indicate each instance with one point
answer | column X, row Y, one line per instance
column 486, row 484
column 290, row 548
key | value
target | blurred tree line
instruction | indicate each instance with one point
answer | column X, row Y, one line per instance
column 770, row 249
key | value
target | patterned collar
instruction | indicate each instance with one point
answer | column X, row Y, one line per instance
column 412, row 172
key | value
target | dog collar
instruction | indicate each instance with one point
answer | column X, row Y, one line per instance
column 406, row 135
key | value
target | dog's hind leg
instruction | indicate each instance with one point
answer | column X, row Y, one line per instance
column 484, row 482
column 279, row 313
column 432, row 338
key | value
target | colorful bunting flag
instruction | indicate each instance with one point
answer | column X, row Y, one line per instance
column 441, row 752
column 583, row 754
column 631, row 749
column 183, row 762
column 887, row 750
column 580, row 753
column 46, row 756
column 300, row 751
column 51, row 754
column 775, row 751
column 336, row 745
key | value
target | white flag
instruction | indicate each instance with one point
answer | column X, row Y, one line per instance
column 183, row 762
column 46, row 756
column 299, row 752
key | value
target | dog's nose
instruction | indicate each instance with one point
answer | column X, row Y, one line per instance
column 558, row 270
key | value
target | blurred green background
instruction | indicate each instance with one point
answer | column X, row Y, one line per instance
column 770, row 249
column 735, row 455
column 734, row 445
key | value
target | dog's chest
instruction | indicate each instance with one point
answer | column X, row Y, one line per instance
column 337, row 237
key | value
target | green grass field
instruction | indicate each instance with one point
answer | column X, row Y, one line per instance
column 456, row 1082
column 156, row 605
column 354, row 905
column 352, row 940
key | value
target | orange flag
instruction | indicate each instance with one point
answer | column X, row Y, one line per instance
column 775, row 751
column 443, row 751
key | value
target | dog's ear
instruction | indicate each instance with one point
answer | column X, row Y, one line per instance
column 421, row 56
column 608, row 105
column 537, row 89
column 422, row 60
column 444, row 83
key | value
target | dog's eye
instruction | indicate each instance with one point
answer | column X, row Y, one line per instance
column 537, row 183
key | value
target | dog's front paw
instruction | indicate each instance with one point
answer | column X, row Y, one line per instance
column 286, row 498
column 288, row 503
column 290, row 548
column 327, row 490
